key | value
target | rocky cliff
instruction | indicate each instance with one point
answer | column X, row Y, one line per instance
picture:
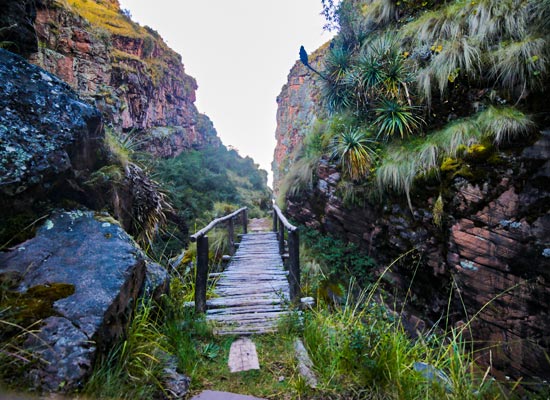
column 298, row 109
column 127, row 71
column 476, row 236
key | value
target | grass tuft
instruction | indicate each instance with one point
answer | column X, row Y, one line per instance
column 504, row 123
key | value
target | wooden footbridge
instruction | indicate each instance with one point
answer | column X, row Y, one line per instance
column 255, row 289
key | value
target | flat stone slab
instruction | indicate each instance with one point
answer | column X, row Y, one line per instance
column 243, row 356
column 212, row 395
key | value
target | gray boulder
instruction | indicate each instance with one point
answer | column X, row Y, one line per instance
column 101, row 271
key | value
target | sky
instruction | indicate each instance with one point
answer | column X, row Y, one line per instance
column 240, row 52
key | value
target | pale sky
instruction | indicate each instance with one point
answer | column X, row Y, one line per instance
column 240, row 52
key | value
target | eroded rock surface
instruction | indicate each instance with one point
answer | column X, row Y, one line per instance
column 132, row 77
column 107, row 270
column 50, row 141
column 298, row 109
column 492, row 252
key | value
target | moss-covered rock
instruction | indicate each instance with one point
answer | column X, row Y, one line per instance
column 79, row 279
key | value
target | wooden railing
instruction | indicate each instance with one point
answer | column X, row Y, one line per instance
column 201, row 278
column 281, row 225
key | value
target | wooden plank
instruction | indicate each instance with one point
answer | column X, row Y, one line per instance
column 248, row 317
column 245, row 309
column 243, row 356
column 253, row 289
column 241, row 302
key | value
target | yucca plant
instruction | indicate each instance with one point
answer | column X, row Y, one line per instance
column 355, row 151
column 393, row 117
column 149, row 204
column 337, row 88
column 370, row 72
column 337, row 63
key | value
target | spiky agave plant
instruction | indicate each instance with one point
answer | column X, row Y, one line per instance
column 336, row 88
column 148, row 204
column 354, row 150
column 393, row 117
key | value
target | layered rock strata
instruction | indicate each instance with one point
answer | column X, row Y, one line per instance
column 129, row 73
column 489, row 256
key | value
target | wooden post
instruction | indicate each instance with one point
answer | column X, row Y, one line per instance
column 294, row 266
column 231, row 236
column 201, row 277
column 274, row 221
column 245, row 221
column 281, row 238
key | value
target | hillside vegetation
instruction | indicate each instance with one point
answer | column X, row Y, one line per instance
column 413, row 88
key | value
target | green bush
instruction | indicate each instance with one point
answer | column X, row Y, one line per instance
column 339, row 260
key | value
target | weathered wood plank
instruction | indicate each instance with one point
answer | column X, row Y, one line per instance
column 253, row 291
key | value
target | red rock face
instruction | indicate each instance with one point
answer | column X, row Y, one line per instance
column 137, row 82
column 298, row 109
column 492, row 255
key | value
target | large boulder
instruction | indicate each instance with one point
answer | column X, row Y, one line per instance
column 50, row 141
column 92, row 273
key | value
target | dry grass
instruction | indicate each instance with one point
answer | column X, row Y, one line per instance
column 107, row 15
column 521, row 64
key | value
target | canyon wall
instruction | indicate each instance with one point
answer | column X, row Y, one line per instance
column 298, row 109
column 127, row 71
column 490, row 255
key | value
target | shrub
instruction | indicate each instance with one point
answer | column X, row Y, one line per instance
column 355, row 152
column 393, row 117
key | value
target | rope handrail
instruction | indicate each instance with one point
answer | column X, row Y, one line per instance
column 214, row 222
column 282, row 218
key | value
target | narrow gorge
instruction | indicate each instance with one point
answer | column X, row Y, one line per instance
column 412, row 160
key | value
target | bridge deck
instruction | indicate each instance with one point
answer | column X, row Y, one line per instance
column 253, row 290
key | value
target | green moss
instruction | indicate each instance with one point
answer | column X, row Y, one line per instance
column 25, row 309
column 450, row 164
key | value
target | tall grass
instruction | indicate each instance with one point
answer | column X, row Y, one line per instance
column 361, row 349
column 14, row 358
column 504, row 124
column 134, row 368
column 521, row 64
column 402, row 163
